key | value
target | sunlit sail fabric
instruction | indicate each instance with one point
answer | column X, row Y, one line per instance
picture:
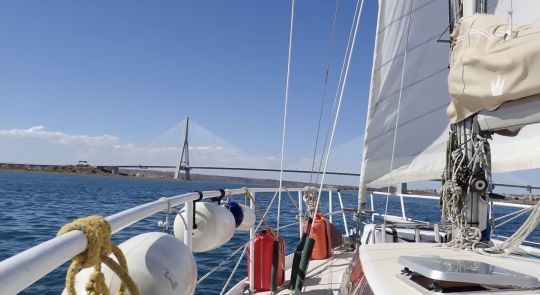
column 406, row 47
column 406, row 43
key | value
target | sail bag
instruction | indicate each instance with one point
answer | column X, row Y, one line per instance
column 491, row 62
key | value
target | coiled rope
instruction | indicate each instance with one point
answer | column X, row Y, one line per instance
column 98, row 235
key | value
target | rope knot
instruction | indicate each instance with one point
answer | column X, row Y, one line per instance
column 96, row 284
column 98, row 235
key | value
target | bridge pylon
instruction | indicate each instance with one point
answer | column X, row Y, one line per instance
column 183, row 162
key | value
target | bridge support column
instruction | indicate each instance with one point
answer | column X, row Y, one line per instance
column 183, row 162
column 188, row 175
column 114, row 170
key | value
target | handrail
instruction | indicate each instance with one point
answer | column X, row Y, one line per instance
column 527, row 249
column 495, row 203
column 527, row 186
column 23, row 269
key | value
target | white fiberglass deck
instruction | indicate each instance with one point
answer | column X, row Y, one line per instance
column 323, row 276
column 381, row 267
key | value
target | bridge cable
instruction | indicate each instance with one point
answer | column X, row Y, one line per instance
column 340, row 81
column 336, row 96
column 349, row 57
column 331, row 47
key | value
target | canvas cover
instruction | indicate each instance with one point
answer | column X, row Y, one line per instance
column 488, row 68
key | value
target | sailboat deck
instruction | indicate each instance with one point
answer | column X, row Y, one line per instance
column 381, row 267
column 323, row 276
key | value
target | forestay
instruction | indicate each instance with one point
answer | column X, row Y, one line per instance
column 409, row 89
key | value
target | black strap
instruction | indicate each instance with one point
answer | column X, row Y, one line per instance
column 194, row 208
column 296, row 261
column 304, row 264
column 394, row 234
column 218, row 199
column 275, row 263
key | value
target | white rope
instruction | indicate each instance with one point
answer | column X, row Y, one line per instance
column 509, row 30
column 512, row 213
column 516, row 239
column 285, row 116
column 514, row 217
column 454, row 195
column 397, row 113
column 357, row 20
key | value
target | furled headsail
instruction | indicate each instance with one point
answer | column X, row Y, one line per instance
column 492, row 62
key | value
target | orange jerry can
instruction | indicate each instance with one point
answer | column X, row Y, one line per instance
column 264, row 244
column 322, row 249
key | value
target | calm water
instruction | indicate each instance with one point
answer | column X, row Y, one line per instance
column 35, row 205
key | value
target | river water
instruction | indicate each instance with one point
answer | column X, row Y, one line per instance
column 33, row 207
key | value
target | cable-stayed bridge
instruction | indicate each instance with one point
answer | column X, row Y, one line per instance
column 188, row 146
column 211, row 154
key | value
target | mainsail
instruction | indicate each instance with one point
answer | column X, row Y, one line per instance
column 407, row 124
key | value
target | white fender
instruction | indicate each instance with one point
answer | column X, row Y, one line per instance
column 157, row 262
column 249, row 218
column 215, row 226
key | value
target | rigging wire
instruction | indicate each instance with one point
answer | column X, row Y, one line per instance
column 285, row 116
column 397, row 113
column 331, row 47
column 340, row 81
column 336, row 117
column 336, row 96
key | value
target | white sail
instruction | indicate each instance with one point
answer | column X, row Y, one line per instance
column 406, row 46
column 409, row 87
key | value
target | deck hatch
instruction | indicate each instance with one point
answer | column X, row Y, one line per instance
column 467, row 271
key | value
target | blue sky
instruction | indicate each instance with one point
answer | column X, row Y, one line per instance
column 99, row 74
column 133, row 69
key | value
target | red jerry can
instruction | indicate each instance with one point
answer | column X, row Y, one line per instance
column 263, row 244
column 322, row 249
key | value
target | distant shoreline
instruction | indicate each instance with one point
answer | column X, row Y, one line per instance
column 62, row 169
column 168, row 175
column 146, row 174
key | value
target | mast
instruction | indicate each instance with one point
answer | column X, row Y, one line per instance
column 477, row 212
column 183, row 162
column 466, row 141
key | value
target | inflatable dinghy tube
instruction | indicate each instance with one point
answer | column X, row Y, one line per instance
column 157, row 262
column 215, row 226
